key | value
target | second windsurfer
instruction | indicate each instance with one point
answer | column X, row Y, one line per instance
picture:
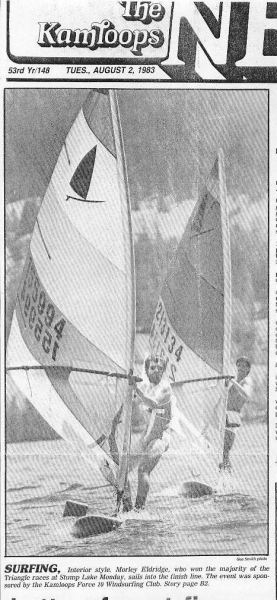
column 238, row 394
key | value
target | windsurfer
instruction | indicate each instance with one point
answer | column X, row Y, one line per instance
column 238, row 394
column 155, row 393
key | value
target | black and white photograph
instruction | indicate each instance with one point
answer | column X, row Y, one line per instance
column 136, row 266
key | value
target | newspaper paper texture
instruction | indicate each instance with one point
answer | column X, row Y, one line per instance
column 138, row 222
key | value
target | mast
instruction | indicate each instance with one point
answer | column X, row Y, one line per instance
column 127, row 402
column 227, row 280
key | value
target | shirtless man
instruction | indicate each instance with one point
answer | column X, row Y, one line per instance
column 155, row 393
column 237, row 396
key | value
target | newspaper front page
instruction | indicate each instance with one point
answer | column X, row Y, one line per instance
column 139, row 186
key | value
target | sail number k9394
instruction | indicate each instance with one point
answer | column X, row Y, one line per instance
column 38, row 313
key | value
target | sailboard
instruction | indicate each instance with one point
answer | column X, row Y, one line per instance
column 95, row 525
column 192, row 330
column 71, row 343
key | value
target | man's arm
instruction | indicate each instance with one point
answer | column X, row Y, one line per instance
column 164, row 397
column 145, row 399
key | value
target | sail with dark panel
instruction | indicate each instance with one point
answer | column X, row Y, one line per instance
column 192, row 326
column 75, row 303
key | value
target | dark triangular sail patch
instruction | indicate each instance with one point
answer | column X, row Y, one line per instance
column 80, row 181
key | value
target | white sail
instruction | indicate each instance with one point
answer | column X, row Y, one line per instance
column 192, row 329
column 75, row 302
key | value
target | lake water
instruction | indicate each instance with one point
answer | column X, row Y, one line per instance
column 41, row 476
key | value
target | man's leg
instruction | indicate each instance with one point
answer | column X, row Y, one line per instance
column 127, row 498
column 149, row 460
column 229, row 438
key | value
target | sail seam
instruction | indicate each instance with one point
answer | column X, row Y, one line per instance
column 97, row 137
column 42, row 239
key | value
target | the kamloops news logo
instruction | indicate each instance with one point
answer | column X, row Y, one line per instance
column 106, row 35
column 214, row 40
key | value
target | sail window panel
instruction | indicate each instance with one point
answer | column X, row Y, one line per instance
column 100, row 216
column 81, row 178
column 98, row 116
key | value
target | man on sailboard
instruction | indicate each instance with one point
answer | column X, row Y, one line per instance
column 155, row 394
column 238, row 394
